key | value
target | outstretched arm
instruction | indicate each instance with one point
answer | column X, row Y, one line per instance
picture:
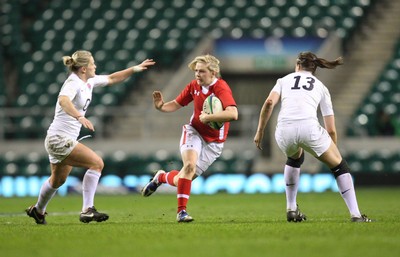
column 122, row 75
column 160, row 105
column 265, row 115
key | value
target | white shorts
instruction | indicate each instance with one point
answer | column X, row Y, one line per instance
column 312, row 137
column 59, row 147
column 207, row 152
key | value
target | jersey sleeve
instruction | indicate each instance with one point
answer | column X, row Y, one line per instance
column 224, row 93
column 185, row 97
column 99, row 80
column 69, row 89
column 326, row 103
column 278, row 87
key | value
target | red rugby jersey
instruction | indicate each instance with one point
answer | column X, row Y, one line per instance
column 193, row 92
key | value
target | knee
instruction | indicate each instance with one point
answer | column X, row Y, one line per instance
column 189, row 168
column 98, row 165
column 341, row 169
column 296, row 163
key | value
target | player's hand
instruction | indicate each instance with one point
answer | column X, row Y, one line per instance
column 143, row 66
column 86, row 123
column 158, row 100
column 204, row 117
column 258, row 139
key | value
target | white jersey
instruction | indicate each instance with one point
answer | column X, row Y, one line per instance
column 80, row 94
column 301, row 93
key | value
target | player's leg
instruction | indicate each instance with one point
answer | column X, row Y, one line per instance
column 59, row 174
column 83, row 156
column 184, row 184
column 292, row 177
column 169, row 178
column 58, row 148
column 194, row 152
column 286, row 137
column 189, row 140
column 341, row 171
column 159, row 178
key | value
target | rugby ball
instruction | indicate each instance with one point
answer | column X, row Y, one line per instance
column 211, row 105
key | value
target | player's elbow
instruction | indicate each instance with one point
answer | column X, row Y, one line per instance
column 269, row 103
column 63, row 100
column 332, row 133
column 234, row 113
column 235, row 117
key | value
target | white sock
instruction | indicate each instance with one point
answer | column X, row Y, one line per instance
column 346, row 188
column 45, row 195
column 89, row 185
column 292, row 177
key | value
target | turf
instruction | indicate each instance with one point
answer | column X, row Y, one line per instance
column 225, row 225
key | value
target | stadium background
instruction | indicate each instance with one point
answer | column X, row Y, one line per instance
column 134, row 139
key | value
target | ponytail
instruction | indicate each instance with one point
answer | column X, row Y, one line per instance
column 309, row 61
column 68, row 61
column 79, row 59
column 322, row 63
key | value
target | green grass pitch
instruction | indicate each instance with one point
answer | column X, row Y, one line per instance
column 225, row 225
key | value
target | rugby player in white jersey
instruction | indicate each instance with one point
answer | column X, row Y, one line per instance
column 65, row 152
column 298, row 130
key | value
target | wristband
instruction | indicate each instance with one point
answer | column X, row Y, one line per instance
column 136, row 69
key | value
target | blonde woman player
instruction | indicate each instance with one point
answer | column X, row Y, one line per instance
column 65, row 152
column 298, row 130
column 200, row 145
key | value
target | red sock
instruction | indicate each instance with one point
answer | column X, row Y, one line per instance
column 183, row 193
column 168, row 177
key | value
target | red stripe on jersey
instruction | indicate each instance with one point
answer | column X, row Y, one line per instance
column 184, row 136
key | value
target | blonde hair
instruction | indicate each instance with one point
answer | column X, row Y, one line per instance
column 211, row 61
column 80, row 58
